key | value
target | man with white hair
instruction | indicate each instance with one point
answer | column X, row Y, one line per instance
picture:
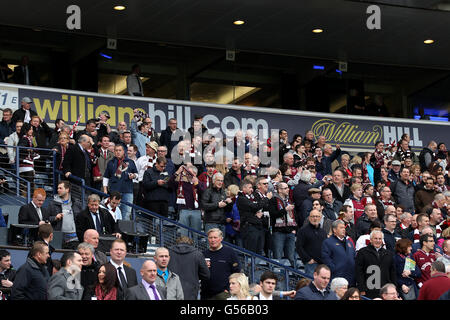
column 215, row 202
column 339, row 286
column 300, row 192
column 375, row 266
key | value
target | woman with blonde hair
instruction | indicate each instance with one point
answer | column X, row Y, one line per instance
column 239, row 287
column 233, row 221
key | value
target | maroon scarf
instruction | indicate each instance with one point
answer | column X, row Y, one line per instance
column 121, row 167
column 180, row 194
column 101, row 295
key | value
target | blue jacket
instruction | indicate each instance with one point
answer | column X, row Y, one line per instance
column 234, row 215
column 310, row 292
column 399, row 265
column 340, row 258
column 6, row 129
column 123, row 184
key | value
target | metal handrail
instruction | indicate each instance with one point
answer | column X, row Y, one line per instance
column 20, row 178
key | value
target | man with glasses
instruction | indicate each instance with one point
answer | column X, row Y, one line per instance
column 156, row 188
column 424, row 257
column 390, row 234
column 389, row 292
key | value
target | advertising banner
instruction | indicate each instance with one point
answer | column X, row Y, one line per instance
column 351, row 132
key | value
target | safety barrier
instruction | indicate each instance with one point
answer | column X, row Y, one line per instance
column 14, row 184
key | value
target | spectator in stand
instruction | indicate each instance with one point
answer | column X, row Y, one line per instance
column 91, row 236
column 346, row 215
column 34, row 213
column 125, row 140
column 156, row 188
column 7, row 126
column 24, row 73
column 215, row 203
column 390, row 236
column 284, row 225
column 89, row 269
column 338, row 253
column 351, row 294
column 134, row 82
column 13, row 140
column 341, row 191
column 307, row 205
column 445, row 258
column 27, row 157
column 7, row 273
column 416, row 245
column 250, row 210
column 385, row 176
column 329, row 156
column 300, row 192
column 61, row 148
column 422, row 221
column 78, row 163
column 171, row 136
column 188, row 189
column 42, row 131
column 190, row 264
column 318, row 289
column 59, row 286
column 388, row 292
column 374, row 255
column 24, row 113
column 111, row 204
column 309, row 242
column 106, row 284
column 339, row 286
column 332, row 206
column 394, row 173
column 126, row 275
column 425, row 196
column 165, row 278
column 63, row 210
column 404, row 226
column 406, row 271
column 119, row 175
column 94, row 217
column 362, row 226
column 233, row 218
column 435, row 218
column 263, row 197
column 239, row 288
column 32, row 277
column 140, row 134
column 90, row 130
column 404, row 151
column 384, row 201
column 355, row 201
column 144, row 163
column 235, row 175
column 403, row 191
column 104, row 156
column 222, row 262
column 437, row 285
column 147, row 289
column 424, row 257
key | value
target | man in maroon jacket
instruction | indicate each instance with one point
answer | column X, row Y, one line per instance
column 424, row 257
column 438, row 284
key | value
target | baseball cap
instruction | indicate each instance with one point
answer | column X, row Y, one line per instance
column 27, row 100
column 396, row 163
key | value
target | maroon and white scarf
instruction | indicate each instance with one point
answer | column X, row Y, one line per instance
column 416, row 235
column 150, row 132
column 386, row 203
column 63, row 153
column 181, row 197
column 251, row 172
column 121, row 167
column 151, row 161
column 281, row 222
column 379, row 158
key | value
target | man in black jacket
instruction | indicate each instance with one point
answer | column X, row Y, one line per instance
column 309, row 242
column 78, row 163
column 215, row 203
column 251, row 218
column 24, row 113
column 171, row 136
column 374, row 266
column 33, row 213
column 31, row 279
column 7, row 273
column 340, row 190
column 156, row 188
column 96, row 218
column 263, row 197
column 235, row 175
column 89, row 269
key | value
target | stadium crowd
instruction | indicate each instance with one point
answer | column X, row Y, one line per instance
column 348, row 218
